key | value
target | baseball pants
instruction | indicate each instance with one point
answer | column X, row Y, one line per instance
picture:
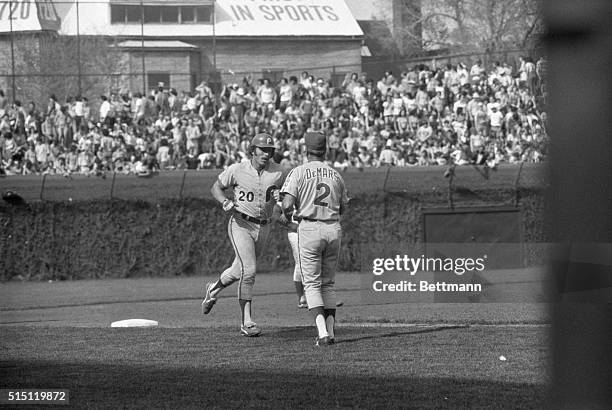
column 319, row 246
column 295, row 251
column 248, row 240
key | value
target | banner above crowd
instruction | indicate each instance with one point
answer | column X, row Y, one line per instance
column 285, row 17
column 28, row 15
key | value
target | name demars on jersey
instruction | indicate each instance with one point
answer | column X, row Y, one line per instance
column 322, row 173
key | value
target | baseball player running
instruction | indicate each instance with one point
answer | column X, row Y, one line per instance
column 255, row 184
column 318, row 193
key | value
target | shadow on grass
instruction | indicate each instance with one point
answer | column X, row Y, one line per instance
column 190, row 368
column 402, row 333
column 309, row 331
column 121, row 386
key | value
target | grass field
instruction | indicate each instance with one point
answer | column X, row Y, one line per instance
column 389, row 354
column 57, row 335
column 197, row 183
column 368, row 368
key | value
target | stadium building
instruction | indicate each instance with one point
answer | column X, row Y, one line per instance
column 183, row 42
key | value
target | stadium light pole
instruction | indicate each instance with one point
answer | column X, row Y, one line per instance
column 144, row 78
column 10, row 6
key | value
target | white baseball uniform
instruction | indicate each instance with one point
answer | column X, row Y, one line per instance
column 249, row 224
column 320, row 193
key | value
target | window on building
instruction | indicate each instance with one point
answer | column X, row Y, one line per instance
column 203, row 14
column 155, row 79
column 133, row 14
column 117, row 14
column 121, row 13
column 155, row 14
column 169, row 14
column 187, row 14
column 152, row 14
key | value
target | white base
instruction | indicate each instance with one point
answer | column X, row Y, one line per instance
column 135, row 323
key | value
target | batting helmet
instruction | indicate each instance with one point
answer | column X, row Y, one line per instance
column 262, row 140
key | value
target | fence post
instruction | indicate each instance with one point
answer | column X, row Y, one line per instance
column 516, row 185
column 42, row 187
column 386, row 178
column 450, row 173
column 112, row 191
column 182, row 185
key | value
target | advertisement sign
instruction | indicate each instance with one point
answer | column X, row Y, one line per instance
column 288, row 17
column 28, row 15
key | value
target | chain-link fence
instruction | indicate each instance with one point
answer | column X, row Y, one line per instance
column 374, row 68
column 450, row 183
column 168, row 223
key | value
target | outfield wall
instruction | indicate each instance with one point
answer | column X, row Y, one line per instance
column 132, row 238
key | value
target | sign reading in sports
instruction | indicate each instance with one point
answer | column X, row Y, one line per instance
column 298, row 12
column 28, row 15
column 285, row 17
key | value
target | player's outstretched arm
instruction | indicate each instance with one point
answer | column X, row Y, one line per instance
column 280, row 217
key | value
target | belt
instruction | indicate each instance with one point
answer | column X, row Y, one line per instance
column 316, row 220
column 254, row 220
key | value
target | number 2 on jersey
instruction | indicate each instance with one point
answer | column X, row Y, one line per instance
column 319, row 200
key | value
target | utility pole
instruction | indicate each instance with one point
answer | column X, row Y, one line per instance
column 78, row 49
column 214, row 47
column 10, row 7
column 144, row 77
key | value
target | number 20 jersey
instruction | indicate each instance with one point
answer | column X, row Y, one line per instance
column 253, row 191
column 319, row 191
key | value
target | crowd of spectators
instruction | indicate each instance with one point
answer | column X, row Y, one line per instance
column 452, row 114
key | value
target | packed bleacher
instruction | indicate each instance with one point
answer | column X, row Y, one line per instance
column 446, row 115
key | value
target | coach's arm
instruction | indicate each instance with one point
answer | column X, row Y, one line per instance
column 288, row 205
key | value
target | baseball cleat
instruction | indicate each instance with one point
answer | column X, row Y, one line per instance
column 324, row 341
column 302, row 304
column 250, row 330
column 209, row 301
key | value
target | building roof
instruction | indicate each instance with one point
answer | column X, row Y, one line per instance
column 233, row 18
column 156, row 44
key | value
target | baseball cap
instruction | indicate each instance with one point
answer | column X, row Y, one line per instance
column 263, row 140
column 315, row 142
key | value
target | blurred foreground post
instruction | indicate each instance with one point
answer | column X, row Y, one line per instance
column 579, row 208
